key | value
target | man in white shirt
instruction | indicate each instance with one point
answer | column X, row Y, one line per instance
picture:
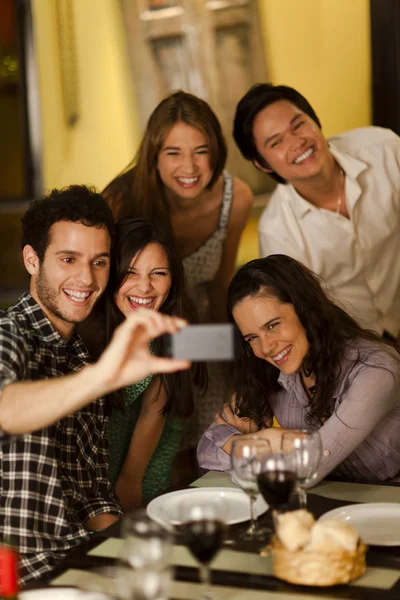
column 337, row 206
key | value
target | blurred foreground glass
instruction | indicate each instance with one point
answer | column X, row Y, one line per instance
column 203, row 529
column 305, row 449
column 247, row 454
column 144, row 571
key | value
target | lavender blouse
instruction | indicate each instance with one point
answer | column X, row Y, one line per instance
column 361, row 439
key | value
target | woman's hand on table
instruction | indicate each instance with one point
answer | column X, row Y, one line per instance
column 242, row 424
column 274, row 436
column 228, row 415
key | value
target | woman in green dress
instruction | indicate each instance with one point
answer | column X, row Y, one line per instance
column 147, row 419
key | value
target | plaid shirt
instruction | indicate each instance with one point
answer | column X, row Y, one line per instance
column 54, row 479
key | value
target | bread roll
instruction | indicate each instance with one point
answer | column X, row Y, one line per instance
column 294, row 529
column 332, row 535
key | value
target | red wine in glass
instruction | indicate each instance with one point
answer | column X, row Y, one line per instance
column 203, row 529
column 203, row 538
column 276, row 487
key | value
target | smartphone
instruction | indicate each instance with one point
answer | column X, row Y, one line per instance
column 203, row 343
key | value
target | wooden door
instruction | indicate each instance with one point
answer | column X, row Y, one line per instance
column 211, row 48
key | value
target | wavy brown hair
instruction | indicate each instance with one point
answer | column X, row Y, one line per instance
column 328, row 328
column 138, row 190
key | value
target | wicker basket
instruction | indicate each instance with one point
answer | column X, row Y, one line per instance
column 317, row 568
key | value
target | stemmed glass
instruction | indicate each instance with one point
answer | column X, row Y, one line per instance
column 305, row 448
column 277, row 481
column 246, row 457
column 144, row 567
column 203, row 530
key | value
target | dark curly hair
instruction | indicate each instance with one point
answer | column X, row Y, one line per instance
column 76, row 203
column 328, row 328
column 132, row 236
column 257, row 98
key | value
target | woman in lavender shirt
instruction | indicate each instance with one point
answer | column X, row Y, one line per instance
column 305, row 361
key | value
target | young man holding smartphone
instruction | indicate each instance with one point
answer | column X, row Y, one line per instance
column 54, row 484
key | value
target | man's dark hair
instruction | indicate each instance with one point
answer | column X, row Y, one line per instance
column 257, row 98
column 76, row 203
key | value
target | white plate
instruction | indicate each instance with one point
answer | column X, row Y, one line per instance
column 61, row 593
column 165, row 509
column 378, row 524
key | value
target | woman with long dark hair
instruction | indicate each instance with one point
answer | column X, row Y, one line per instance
column 147, row 419
column 178, row 177
column 304, row 360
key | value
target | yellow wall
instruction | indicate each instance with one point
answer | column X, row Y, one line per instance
column 106, row 135
column 322, row 48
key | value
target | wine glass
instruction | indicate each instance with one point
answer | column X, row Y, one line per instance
column 203, row 531
column 277, row 481
column 141, row 584
column 144, row 565
column 305, row 448
column 246, row 456
column 145, row 542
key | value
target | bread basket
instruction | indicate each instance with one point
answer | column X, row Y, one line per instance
column 317, row 568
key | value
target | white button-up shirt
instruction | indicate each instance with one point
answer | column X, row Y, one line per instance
column 359, row 258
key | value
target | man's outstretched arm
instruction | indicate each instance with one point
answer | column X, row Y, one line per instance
column 27, row 406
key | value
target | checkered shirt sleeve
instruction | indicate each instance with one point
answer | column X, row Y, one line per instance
column 12, row 359
column 82, row 440
column 55, row 479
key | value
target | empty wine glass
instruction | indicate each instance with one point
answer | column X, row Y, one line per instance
column 203, row 530
column 246, row 456
column 146, row 583
column 144, row 566
column 145, row 542
column 305, row 448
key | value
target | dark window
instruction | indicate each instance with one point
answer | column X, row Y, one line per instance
column 20, row 166
column 385, row 39
column 17, row 177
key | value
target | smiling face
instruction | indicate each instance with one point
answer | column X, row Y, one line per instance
column 184, row 161
column 290, row 142
column 148, row 281
column 73, row 274
column 273, row 331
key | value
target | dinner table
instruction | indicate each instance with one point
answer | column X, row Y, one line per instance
column 244, row 571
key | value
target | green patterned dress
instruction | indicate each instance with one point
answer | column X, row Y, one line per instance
column 120, row 430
